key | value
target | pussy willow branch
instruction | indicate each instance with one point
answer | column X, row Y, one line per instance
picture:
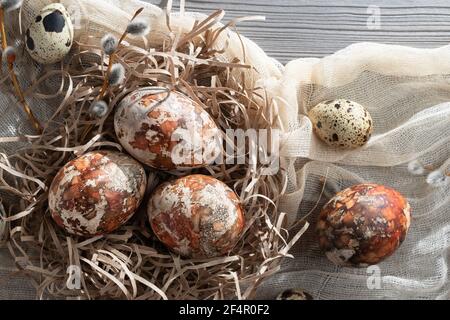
column 432, row 168
column 13, row 77
column 105, row 85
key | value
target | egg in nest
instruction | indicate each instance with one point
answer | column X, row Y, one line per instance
column 196, row 216
column 363, row 225
column 166, row 130
column 97, row 193
column 342, row 123
column 49, row 37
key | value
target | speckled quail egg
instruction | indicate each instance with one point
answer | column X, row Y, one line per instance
column 97, row 193
column 294, row 294
column 342, row 123
column 166, row 130
column 196, row 216
column 363, row 225
column 49, row 37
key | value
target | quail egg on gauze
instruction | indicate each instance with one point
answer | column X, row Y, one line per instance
column 342, row 123
column 49, row 37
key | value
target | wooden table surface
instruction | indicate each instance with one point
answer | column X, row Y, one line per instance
column 310, row 28
column 314, row 28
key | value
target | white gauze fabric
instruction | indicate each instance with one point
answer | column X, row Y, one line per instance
column 406, row 90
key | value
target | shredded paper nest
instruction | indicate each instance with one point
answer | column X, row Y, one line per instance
column 193, row 59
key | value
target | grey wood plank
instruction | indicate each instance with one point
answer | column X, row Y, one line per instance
column 307, row 28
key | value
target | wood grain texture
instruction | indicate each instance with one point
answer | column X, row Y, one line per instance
column 314, row 28
column 307, row 28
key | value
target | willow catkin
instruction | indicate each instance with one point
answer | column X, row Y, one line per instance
column 117, row 75
column 416, row 168
column 9, row 54
column 99, row 109
column 109, row 44
column 437, row 179
column 10, row 5
column 138, row 27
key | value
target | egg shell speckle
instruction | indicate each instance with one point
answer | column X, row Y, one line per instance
column 49, row 37
column 97, row 193
column 196, row 216
column 294, row 294
column 342, row 123
column 363, row 225
column 167, row 131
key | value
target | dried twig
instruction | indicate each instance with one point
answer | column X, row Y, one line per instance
column 112, row 58
column 13, row 77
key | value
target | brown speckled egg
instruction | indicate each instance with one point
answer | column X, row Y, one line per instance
column 342, row 123
column 294, row 294
column 363, row 225
column 166, row 130
column 196, row 216
column 97, row 193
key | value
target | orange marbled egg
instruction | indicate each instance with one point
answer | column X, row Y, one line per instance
column 196, row 216
column 97, row 193
column 166, row 130
column 363, row 225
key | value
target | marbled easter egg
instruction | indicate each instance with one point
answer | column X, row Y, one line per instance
column 49, row 37
column 196, row 216
column 363, row 225
column 342, row 123
column 167, row 130
column 97, row 193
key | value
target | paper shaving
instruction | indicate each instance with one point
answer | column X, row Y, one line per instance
column 131, row 263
